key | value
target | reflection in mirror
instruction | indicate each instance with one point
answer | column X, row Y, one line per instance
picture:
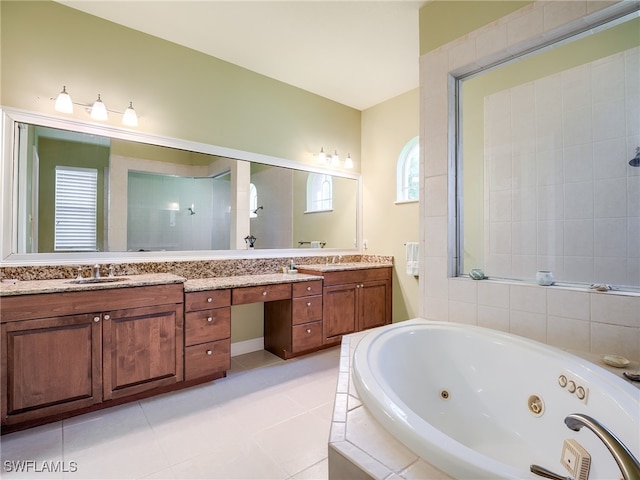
column 545, row 146
column 130, row 196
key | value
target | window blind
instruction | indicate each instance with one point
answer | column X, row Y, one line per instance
column 76, row 201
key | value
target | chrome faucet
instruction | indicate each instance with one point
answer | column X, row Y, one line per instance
column 628, row 464
column 96, row 271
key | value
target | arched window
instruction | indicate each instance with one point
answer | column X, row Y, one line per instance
column 407, row 179
column 319, row 192
column 253, row 201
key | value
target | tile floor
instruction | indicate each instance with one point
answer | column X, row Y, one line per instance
column 267, row 419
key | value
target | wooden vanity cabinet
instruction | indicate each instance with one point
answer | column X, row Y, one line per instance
column 207, row 340
column 354, row 300
column 294, row 326
column 64, row 352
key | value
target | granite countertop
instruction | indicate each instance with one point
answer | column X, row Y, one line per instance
column 27, row 287
column 337, row 267
column 217, row 283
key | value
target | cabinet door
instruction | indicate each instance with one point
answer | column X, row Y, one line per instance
column 143, row 349
column 339, row 311
column 374, row 304
column 50, row 366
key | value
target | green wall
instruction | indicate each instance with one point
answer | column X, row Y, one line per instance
column 177, row 92
column 386, row 128
column 443, row 21
column 53, row 152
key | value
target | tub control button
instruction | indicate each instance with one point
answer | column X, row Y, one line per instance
column 571, row 386
column 580, row 393
column 562, row 381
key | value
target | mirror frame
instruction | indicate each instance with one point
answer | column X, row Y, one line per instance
column 9, row 204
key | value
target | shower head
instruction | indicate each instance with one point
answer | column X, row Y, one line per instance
column 635, row 161
column 255, row 212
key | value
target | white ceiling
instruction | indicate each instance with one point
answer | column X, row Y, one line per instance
column 358, row 53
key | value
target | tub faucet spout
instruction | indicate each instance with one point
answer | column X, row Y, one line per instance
column 628, row 464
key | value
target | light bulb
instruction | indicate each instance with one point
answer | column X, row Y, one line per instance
column 63, row 102
column 130, row 118
column 99, row 111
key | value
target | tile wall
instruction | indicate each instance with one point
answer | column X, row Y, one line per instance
column 567, row 199
column 567, row 318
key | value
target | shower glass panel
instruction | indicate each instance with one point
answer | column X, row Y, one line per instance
column 545, row 146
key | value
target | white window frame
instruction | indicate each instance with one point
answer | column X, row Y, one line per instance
column 253, row 201
column 319, row 193
column 409, row 154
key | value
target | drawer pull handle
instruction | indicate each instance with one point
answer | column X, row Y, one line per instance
column 308, row 304
column 107, row 317
column 209, row 319
column 264, row 294
column 308, row 330
column 209, row 300
column 96, row 319
column 209, row 352
column 308, row 289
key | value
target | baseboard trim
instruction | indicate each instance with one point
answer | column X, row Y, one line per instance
column 247, row 346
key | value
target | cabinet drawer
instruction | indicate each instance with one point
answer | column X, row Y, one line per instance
column 207, row 325
column 307, row 309
column 306, row 337
column 302, row 289
column 207, row 299
column 356, row 276
column 261, row 293
column 207, row 359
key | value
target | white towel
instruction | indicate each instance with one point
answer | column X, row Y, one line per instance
column 315, row 243
column 413, row 256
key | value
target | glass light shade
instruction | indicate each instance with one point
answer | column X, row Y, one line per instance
column 130, row 118
column 322, row 157
column 335, row 159
column 348, row 162
column 63, row 102
column 99, row 111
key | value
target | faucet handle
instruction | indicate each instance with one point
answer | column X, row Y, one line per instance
column 79, row 276
column 111, row 273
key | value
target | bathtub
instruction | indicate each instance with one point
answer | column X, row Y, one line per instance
column 479, row 403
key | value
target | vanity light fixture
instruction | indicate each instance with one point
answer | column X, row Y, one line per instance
column 98, row 110
column 334, row 160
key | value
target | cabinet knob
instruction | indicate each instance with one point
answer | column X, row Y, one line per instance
column 308, row 330
column 209, row 300
column 96, row 319
column 107, row 317
column 308, row 304
column 209, row 352
column 308, row 289
column 264, row 294
column 209, row 319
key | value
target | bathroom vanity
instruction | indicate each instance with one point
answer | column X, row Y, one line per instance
column 71, row 347
column 66, row 347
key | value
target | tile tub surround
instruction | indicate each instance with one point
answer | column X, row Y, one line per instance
column 361, row 448
column 563, row 317
column 188, row 269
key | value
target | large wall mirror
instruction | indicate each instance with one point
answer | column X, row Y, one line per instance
column 548, row 154
column 80, row 191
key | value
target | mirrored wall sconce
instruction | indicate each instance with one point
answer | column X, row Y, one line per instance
column 98, row 110
column 334, row 160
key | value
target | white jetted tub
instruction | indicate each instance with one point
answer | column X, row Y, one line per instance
column 479, row 403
